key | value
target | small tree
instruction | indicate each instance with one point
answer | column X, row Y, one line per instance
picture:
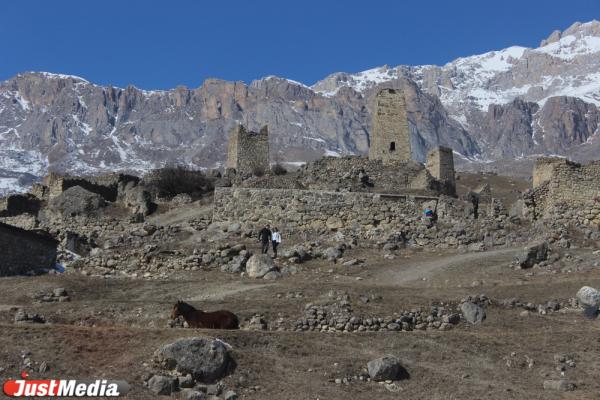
column 278, row 169
column 173, row 180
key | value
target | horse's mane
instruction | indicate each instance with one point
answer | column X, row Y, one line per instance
column 185, row 308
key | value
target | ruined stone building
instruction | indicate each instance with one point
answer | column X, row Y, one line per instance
column 440, row 164
column 559, row 182
column 24, row 251
column 248, row 152
column 334, row 192
column 390, row 135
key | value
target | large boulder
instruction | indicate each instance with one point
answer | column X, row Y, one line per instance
column 588, row 296
column 259, row 265
column 77, row 201
column 207, row 360
column 533, row 254
column 472, row 312
column 386, row 368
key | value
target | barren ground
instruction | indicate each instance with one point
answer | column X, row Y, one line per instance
column 111, row 327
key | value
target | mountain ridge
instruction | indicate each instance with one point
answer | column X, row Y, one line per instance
column 504, row 104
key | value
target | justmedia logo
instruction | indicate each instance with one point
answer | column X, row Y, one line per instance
column 64, row 387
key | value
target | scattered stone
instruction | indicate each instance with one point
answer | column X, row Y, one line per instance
column 162, row 385
column 21, row 316
column 230, row 395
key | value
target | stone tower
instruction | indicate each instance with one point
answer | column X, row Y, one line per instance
column 248, row 152
column 440, row 164
column 390, row 136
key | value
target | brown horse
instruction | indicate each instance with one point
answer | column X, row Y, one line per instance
column 200, row 319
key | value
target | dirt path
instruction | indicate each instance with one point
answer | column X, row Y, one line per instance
column 223, row 291
column 415, row 270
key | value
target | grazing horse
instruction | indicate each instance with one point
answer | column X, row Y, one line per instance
column 200, row 319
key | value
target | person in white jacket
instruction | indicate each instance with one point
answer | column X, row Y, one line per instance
column 276, row 239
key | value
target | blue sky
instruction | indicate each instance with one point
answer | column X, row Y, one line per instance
column 162, row 44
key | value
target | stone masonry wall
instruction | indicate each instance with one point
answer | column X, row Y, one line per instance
column 248, row 152
column 311, row 209
column 390, row 136
column 24, row 251
column 571, row 184
column 543, row 169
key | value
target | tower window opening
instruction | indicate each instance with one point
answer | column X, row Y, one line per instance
column 393, row 146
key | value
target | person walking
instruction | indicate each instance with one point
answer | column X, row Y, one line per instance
column 276, row 239
column 265, row 237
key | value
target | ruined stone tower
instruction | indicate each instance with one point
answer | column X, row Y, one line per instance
column 440, row 164
column 248, row 152
column 390, row 136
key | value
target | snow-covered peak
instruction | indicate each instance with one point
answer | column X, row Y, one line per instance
column 570, row 46
column 51, row 75
column 493, row 61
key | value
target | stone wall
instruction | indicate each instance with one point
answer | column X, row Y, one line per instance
column 105, row 185
column 25, row 251
column 440, row 164
column 562, row 182
column 294, row 210
column 390, row 135
column 248, row 152
column 543, row 169
column 15, row 204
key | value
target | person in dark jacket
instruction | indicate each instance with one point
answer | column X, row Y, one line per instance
column 265, row 236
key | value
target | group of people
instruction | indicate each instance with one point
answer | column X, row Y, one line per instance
column 266, row 237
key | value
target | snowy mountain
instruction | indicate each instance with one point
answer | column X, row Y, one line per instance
column 500, row 105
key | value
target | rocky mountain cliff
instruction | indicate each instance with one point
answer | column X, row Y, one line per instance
column 499, row 105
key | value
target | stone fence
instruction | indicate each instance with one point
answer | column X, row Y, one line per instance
column 315, row 209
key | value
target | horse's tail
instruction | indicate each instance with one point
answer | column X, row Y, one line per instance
column 235, row 321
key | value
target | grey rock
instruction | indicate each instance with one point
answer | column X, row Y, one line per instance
column 205, row 359
column 234, row 228
column 272, row 275
column 386, row 368
column 59, row 292
column 332, row 253
column 533, row 254
column 189, row 394
column 230, row 395
column 588, row 296
column 559, row 384
column 259, row 265
column 162, row 385
column 472, row 313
